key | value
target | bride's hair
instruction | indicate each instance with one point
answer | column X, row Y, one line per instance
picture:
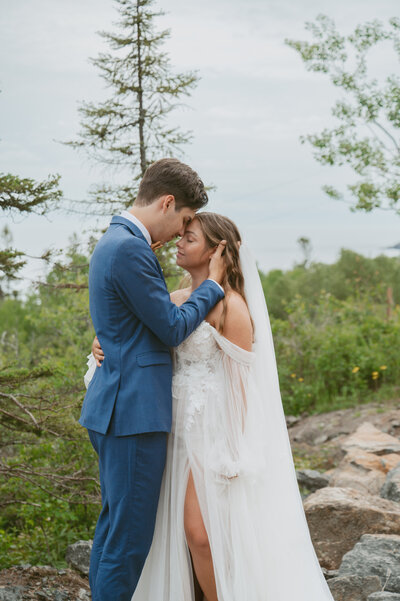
column 216, row 228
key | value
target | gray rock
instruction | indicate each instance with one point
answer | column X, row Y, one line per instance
column 61, row 596
column 378, row 555
column 369, row 438
column 391, row 487
column 78, row 555
column 291, row 420
column 353, row 587
column 384, row 596
column 330, row 573
column 311, row 479
column 338, row 517
column 11, row 593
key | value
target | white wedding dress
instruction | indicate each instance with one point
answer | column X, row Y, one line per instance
column 229, row 429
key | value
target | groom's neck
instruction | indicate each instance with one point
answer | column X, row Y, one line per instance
column 144, row 214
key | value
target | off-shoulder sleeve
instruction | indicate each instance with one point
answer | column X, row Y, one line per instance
column 230, row 456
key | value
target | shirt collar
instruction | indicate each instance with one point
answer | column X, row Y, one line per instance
column 139, row 224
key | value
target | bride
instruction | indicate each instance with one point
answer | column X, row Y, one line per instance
column 230, row 516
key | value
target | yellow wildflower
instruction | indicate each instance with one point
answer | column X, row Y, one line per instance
column 375, row 375
column 355, row 369
column 382, row 367
column 292, row 375
column 301, row 379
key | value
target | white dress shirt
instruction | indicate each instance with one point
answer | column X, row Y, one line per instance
column 138, row 224
column 146, row 234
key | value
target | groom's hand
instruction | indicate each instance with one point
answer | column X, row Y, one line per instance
column 217, row 263
column 97, row 352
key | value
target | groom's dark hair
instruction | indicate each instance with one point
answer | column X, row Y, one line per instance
column 170, row 176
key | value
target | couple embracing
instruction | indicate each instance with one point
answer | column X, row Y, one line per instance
column 199, row 492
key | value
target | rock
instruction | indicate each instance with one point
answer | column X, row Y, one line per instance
column 61, row 596
column 384, row 596
column 11, row 593
column 391, row 487
column 378, row 555
column 359, row 470
column 291, row 420
column 390, row 461
column 78, row 555
column 368, row 438
column 353, row 588
column 338, row 517
column 328, row 574
column 312, row 479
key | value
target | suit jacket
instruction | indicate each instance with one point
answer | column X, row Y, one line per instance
column 136, row 323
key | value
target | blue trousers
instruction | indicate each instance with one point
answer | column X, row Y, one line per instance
column 131, row 469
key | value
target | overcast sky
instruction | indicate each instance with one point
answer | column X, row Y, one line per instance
column 253, row 102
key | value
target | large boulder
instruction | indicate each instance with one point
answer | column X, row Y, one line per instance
column 78, row 555
column 360, row 470
column 338, row 517
column 391, row 487
column 370, row 439
column 354, row 588
column 377, row 555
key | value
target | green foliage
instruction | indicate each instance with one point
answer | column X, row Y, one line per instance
column 333, row 353
column 49, row 492
column 352, row 276
column 329, row 320
column 366, row 136
column 25, row 195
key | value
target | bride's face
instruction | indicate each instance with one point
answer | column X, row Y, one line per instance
column 193, row 251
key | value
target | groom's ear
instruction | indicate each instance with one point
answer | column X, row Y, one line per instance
column 168, row 200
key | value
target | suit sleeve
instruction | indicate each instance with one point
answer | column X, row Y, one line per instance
column 138, row 282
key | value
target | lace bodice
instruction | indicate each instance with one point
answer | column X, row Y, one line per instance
column 196, row 372
column 198, row 351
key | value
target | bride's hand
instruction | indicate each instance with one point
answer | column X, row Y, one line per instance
column 97, row 351
column 156, row 245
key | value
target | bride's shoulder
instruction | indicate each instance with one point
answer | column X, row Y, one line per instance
column 180, row 296
column 237, row 324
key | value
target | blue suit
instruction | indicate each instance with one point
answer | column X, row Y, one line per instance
column 127, row 408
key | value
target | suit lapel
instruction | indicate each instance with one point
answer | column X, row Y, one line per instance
column 117, row 219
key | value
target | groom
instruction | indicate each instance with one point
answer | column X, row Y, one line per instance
column 127, row 407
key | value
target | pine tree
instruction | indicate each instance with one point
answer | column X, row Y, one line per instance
column 129, row 130
column 23, row 196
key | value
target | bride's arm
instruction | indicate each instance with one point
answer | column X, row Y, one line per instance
column 231, row 450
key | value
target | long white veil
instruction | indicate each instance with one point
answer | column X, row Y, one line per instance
column 292, row 571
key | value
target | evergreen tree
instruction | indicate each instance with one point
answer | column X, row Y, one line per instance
column 22, row 196
column 129, row 130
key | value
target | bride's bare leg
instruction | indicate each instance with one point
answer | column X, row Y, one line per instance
column 197, row 539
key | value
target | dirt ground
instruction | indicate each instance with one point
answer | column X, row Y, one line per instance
column 43, row 583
